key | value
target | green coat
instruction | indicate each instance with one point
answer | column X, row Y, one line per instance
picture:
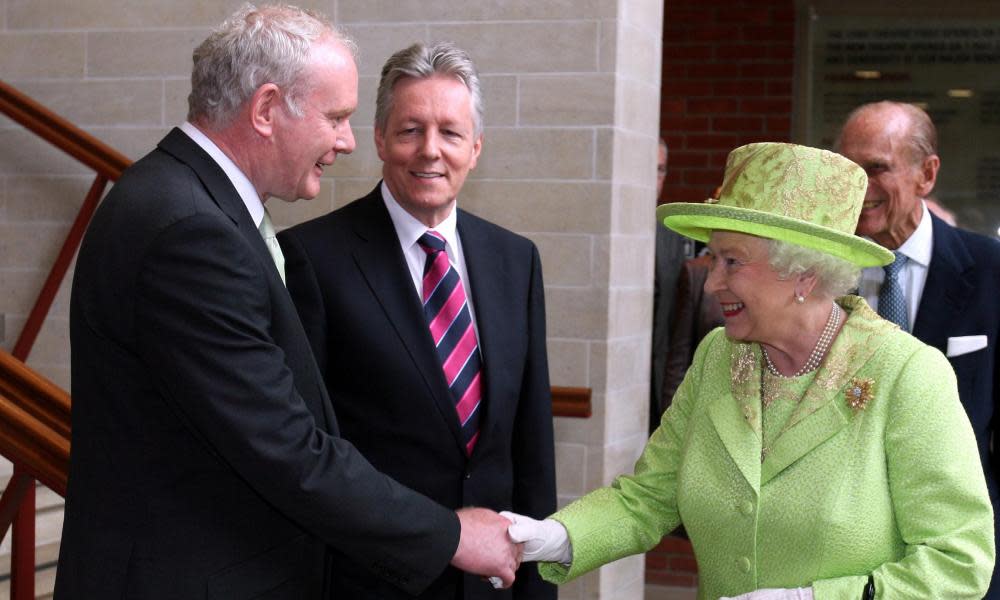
column 892, row 486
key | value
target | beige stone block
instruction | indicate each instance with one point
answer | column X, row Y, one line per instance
column 146, row 53
column 607, row 46
column 175, row 101
column 349, row 189
column 133, row 142
column 639, row 54
column 566, row 258
column 363, row 162
column 604, row 154
column 628, row 363
column 18, row 290
column 364, row 116
column 628, row 415
column 623, row 579
column 552, row 100
column 45, row 199
column 118, row 14
column 576, row 313
column 30, row 245
column 536, row 154
column 590, row 431
column 96, row 103
column 630, row 311
column 51, row 348
column 602, row 260
column 637, row 106
column 621, row 455
column 377, row 42
column 634, row 210
column 528, row 206
column 499, row 100
column 631, row 261
column 571, row 464
column 569, row 362
column 445, row 10
column 635, row 158
column 285, row 214
column 526, row 47
column 599, row 366
column 24, row 153
column 644, row 15
column 41, row 55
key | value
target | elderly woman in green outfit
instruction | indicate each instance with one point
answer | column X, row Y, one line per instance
column 813, row 450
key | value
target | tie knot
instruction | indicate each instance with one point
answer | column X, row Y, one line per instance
column 892, row 269
column 431, row 242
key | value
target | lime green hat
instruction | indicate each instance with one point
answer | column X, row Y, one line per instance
column 806, row 196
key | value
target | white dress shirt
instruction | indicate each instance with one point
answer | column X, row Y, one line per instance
column 409, row 230
column 239, row 180
column 917, row 249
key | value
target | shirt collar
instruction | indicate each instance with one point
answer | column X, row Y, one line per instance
column 920, row 245
column 239, row 180
column 409, row 229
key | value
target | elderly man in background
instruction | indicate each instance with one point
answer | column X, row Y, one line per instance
column 428, row 323
column 206, row 460
column 944, row 286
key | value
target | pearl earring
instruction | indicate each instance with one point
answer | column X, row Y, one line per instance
column 800, row 298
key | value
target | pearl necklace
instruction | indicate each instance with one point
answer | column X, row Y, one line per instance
column 818, row 351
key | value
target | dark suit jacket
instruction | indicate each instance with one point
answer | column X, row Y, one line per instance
column 671, row 250
column 348, row 277
column 205, row 459
column 962, row 297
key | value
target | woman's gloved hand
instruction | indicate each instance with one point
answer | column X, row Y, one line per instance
column 544, row 541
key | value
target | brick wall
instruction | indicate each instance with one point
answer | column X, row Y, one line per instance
column 727, row 81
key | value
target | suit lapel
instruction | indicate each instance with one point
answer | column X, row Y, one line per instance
column 947, row 289
column 736, row 416
column 488, row 280
column 225, row 196
column 219, row 187
column 381, row 263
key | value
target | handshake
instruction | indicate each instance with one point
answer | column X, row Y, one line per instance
column 493, row 545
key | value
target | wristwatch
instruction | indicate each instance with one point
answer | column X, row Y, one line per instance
column 869, row 593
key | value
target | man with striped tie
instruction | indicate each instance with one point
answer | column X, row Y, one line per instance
column 428, row 323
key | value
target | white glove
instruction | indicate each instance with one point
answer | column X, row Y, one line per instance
column 544, row 541
column 775, row 594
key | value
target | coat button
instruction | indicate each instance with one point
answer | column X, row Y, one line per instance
column 744, row 564
column 468, row 474
column 746, row 507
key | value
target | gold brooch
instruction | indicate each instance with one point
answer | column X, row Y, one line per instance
column 859, row 393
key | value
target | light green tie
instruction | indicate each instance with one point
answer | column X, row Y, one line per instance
column 267, row 232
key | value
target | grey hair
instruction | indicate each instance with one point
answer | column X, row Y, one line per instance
column 835, row 276
column 255, row 46
column 921, row 136
column 423, row 62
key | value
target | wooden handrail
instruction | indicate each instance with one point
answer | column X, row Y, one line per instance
column 36, row 423
column 61, row 133
column 571, row 402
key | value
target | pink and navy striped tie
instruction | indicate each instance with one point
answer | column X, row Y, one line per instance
column 450, row 321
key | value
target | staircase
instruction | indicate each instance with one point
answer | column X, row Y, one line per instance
column 48, row 526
